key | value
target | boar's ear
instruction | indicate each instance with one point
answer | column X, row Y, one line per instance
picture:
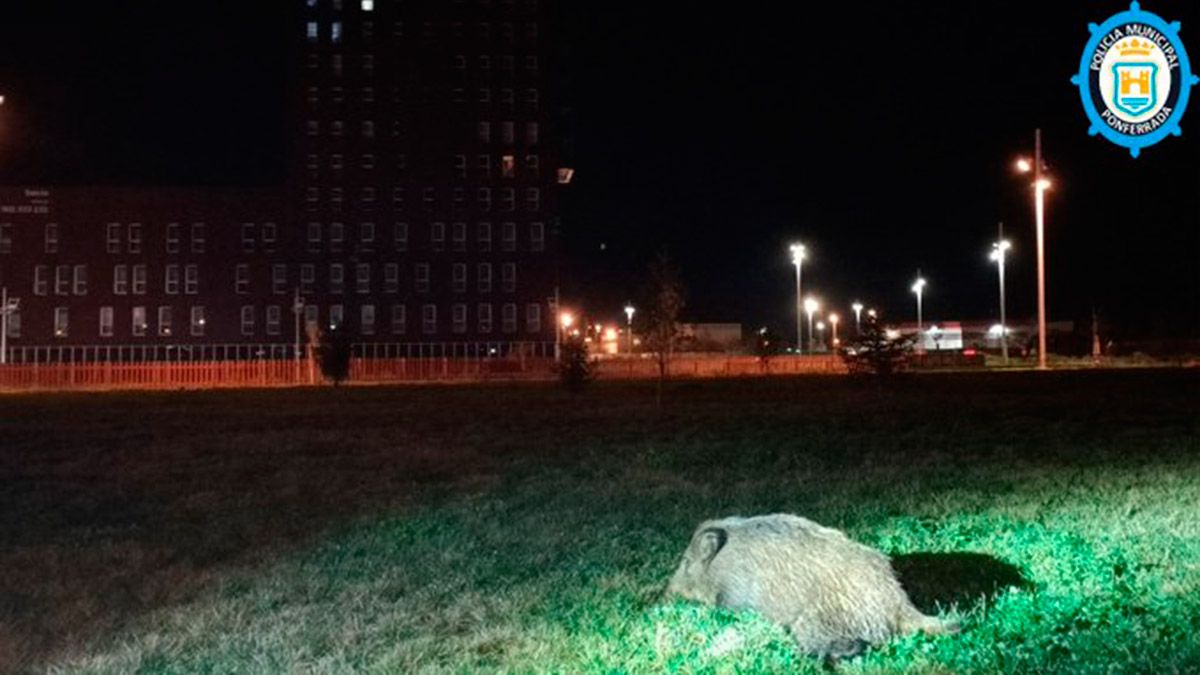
column 710, row 542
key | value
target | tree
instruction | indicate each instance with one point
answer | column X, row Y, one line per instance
column 766, row 346
column 575, row 370
column 333, row 354
column 875, row 353
column 661, row 319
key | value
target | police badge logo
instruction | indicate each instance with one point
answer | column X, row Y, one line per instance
column 1135, row 79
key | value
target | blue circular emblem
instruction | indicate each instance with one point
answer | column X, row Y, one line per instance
column 1135, row 79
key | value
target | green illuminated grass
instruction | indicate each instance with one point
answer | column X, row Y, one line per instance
column 519, row 529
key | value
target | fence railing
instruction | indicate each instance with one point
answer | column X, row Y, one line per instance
column 290, row 372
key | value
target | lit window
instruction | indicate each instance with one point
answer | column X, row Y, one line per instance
column 164, row 321
column 312, row 31
column 368, row 5
column 61, row 322
column 336, row 315
column 508, row 166
column 197, row 322
column 106, row 321
column 335, row 32
column 137, row 324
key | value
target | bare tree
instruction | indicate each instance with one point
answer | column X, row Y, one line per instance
column 661, row 318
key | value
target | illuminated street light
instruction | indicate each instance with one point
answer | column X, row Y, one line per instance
column 872, row 314
column 566, row 319
column 858, row 308
column 799, row 253
column 833, row 321
column 1040, row 185
column 629, row 310
column 821, row 332
column 810, row 307
column 918, row 287
column 999, row 250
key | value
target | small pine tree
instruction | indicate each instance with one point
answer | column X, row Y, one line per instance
column 333, row 355
column 575, row 370
column 873, row 352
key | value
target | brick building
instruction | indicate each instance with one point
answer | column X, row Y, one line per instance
column 418, row 214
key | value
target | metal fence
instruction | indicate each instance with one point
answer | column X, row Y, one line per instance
column 203, row 353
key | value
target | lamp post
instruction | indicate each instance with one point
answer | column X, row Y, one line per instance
column 821, row 332
column 799, row 253
column 1040, row 185
column 810, row 307
column 833, row 321
column 918, row 287
column 999, row 250
column 7, row 306
column 629, row 310
column 858, row 308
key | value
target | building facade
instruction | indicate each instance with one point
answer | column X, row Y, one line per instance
column 419, row 213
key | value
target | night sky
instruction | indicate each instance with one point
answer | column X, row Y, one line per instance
column 881, row 135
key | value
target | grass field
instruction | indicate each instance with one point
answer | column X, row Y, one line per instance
column 519, row 529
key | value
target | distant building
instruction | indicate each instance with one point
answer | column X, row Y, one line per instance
column 711, row 336
column 419, row 212
column 984, row 335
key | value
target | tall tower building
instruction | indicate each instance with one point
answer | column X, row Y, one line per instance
column 423, row 180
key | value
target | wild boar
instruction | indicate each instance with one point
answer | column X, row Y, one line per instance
column 835, row 595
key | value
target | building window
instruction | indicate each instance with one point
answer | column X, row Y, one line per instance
column 366, row 236
column 274, row 319
column 171, row 280
column 484, row 131
column 368, row 129
column 197, row 322
column 164, row 321
column 367, row 161
column 458, row 318
column 79, row 280
column 508, row 199
column 428, row 198
column 485, row 237
column 531, row 99
column 337, row 64
column 41, row 279
column 484, row 196
column 279, row 279
column 311, row 313
column 173, row 236
column 460, row 166
column 191, row 280
column 247, row 237
column 484, row 274
column 508, row 278
column 61, row 322
column 6, row 238
column 138, row 322
column 368, row 5
column 531, row 64
column 62, row 280
column 397, row 198
column 367, row 197
column 308, row 277
column 485, row 317
column 335, row 32
column 247, row 319
column 337, row 235
column 362, row 278
column 533, row 166
column 421, row 280
column 241, row 279
column 537, row 236
column 367, row 319
column 336, row 316
column 337, row 278
column 507, row 133
column 400, row 236
column 51, row 238
column 533, row 199
column 458, row 278
column 312, row 32
column 269, row 236
column 459, row 235
column 508, row 166
column 391, row 278
column 437, row 236
column 14, row 324
column 484, row 164
column 508, row 236
column 337, row 128
column 314, row 237
column 508, row 318
column 139, row 279
column 135, row 238
column 106, row 322
column 428, row 319
column 198, row 238
column 533, row 318
column 399, row 320
column 112, row 239
column 508, row 99
column 120, row 280
column 531, row 133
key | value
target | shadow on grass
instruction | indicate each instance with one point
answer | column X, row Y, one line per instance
column 934, row 580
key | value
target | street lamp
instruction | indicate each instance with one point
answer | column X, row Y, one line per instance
column 833, row 321
column 999, row 250
column 799, row 253
column 821, row 332
column 918, row 287
column 810, row 307
column 1040, row 185
column 629, row 310
column 858, row 308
